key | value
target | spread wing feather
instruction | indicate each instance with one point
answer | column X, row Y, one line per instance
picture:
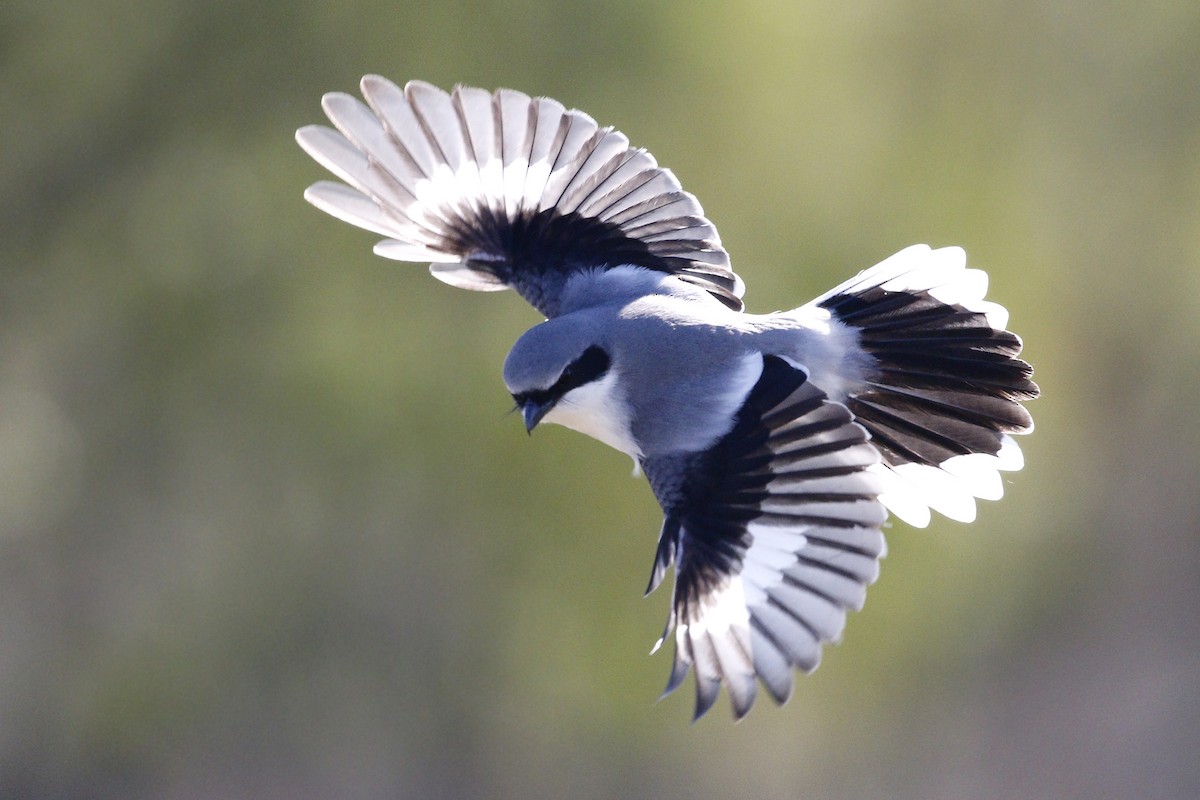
column 500, row 190
column 775, row 534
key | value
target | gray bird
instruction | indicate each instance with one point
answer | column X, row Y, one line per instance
column 776, row 444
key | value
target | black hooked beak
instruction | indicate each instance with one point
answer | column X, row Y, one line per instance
column 533, row 411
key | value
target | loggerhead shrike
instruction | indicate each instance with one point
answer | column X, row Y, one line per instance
column 776, row 444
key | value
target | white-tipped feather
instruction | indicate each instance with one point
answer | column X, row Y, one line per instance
column 900, row 500
column 951, row 488
column 459, row 276
column 363, row 129
column 336, row 153
column 939, row 490
column 543, row 151
column 724, row 608
column 867, row 540
column 977, row 474
column 773, row 667
column 784, row 540
column 824, row 617
column 650, row 210
column 614, row 182
column 846, row 591
column 942, row 273
column 1010, row 458
column 609, row 153
column 479, row 127
column 797, row 641
column 393, row 109
column 441, row 125
column 339, row 200
column 758, row 575
column 516, row 140
column 449, row 172
column 862, row 567
column 405, row 251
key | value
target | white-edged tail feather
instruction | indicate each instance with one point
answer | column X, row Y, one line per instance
column 945, row 391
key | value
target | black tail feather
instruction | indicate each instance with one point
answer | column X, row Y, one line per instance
column 945, row 381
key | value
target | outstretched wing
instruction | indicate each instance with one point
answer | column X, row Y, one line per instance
column 775, row 534
column 501, row 190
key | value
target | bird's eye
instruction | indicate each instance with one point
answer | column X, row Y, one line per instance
column 588, row 367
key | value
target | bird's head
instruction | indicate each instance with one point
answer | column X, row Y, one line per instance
column 562, row 372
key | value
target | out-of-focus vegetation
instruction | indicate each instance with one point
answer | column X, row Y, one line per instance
column 266, row 531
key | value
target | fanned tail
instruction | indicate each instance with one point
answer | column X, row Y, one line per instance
column 946, row 391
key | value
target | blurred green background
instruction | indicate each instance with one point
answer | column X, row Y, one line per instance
column 267, row 532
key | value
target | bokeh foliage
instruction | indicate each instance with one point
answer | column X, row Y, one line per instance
column 266, row 531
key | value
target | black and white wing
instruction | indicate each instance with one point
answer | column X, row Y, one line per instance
column 774, row 532
column 502, row 190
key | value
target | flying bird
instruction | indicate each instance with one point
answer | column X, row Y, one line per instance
column 776, row 444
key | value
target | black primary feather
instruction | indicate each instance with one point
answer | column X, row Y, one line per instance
column 782, row 513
